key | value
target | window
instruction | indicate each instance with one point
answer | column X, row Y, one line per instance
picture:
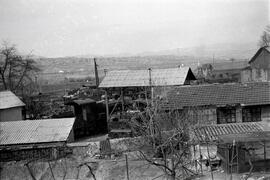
column 226, row 115
column 251, row 114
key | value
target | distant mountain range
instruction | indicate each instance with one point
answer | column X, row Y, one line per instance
column 219, row 51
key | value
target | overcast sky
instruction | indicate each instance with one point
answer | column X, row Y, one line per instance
column 76, row 27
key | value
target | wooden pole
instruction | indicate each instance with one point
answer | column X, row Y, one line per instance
column 151, row 86
column 107, row 106
column 237, row 157
column 96, row 73
column 200, row 159
column 212, row 176
column 122, row 100
column 127, row 167
column 232, row 156
column 264, row 155
column 195, row 160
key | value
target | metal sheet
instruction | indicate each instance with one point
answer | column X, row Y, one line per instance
column 35, row 131
column 139, row 78
column 9, row 100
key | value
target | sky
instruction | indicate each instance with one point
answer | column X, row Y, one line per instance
column 55, row 28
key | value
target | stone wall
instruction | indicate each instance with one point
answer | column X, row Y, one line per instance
column 33, row 153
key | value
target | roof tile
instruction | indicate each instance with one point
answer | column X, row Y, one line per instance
column 212, row 132
column 218, row 94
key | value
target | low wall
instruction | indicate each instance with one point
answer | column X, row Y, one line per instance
column 33, row 153
column 93, row 148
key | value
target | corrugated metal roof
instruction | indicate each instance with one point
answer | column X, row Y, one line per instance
column 217, row 94
column 35, row 131
column 9, row 100
column 139, row 78
column 213, row 132
column 247, row 137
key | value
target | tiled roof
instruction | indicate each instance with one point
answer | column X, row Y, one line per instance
column 138, row 78
column 35, row 131
column 9, row 100
column 218, row 95
column 212, row 133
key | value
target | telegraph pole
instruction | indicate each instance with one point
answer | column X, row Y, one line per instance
column 96, row 73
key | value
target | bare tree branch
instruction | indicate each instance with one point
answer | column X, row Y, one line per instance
column 16, row 71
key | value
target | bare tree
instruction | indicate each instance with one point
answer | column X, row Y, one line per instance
column 265, row 37
column 16, row 71
column 164, row 140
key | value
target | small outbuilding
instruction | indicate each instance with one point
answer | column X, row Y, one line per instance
column 90, row 117
column 146, row 80
column 11, row 107
column 35, row 139
column 258, row 68
column 242, row 147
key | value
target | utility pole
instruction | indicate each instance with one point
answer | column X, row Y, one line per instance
column 151, row 85
column 96, row 73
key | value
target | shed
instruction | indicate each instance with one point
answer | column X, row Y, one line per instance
column 142, row 79
column 239, row 145
column 11, row 107
column 259, row 66
column 35, row 138
column 90, row 118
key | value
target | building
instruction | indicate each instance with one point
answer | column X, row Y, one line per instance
column 11, row 107
column 221, row 72
column 227, row 114
column 90, row 117
column 133, row 85
column 221, row 103
column 35, row 139
column 258, row 68
column 238, row 144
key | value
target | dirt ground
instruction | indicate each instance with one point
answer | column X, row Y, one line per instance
column 103, row 169
column 84, row 165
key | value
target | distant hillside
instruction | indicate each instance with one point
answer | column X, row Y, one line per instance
column 71, row 65
column 220, row 55
column 219, row 51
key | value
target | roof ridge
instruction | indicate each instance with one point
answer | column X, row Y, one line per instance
column 222, row 84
